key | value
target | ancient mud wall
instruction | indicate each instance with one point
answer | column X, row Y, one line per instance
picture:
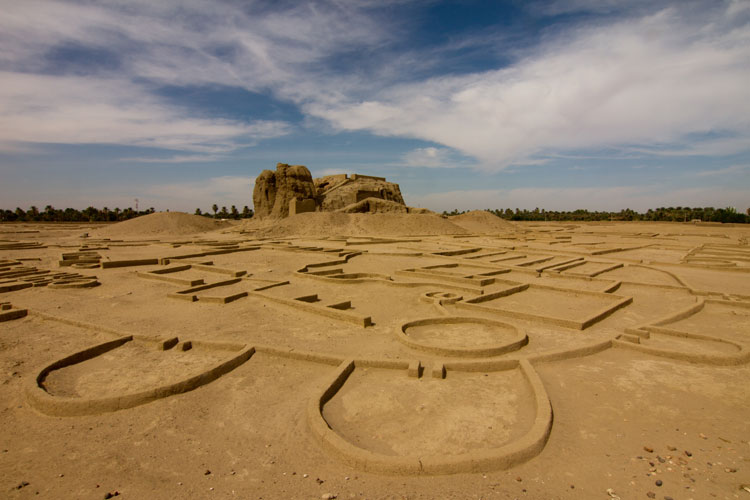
column 291, row 190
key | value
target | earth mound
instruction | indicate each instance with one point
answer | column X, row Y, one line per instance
column 162, row 224
column 321, row 224
column 482, row 221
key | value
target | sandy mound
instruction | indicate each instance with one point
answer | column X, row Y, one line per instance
column 161, row 224
column 482, row 221
column 343, row 224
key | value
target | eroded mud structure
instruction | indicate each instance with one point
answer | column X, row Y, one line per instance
column 291, row 190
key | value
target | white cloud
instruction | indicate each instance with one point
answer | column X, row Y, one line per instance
column 432, row 157
column 558, row 7
column 656, row 80
column 48, row 98
column 737, row 7
column 641, row 84
column 697, row 147
column 727, row 171
column 78, row 110
column 174, row 159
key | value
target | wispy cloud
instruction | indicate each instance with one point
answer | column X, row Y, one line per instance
column 641, row 81
column 174, row 159
column 38, row 108
column 49, row 96
column 724, row 172
column 432, row 157
column 657, row 79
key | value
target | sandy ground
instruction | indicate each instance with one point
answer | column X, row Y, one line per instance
column 639, row 334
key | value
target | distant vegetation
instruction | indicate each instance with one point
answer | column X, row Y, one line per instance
column 91, row 214
column 670, row 214
column 232, row 213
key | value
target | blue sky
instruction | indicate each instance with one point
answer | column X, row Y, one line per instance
column 597, row 104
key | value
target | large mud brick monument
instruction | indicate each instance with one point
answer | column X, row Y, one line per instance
column 291, row 189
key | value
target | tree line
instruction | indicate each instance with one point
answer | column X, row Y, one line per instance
column 232, row 213
column 92, row 214
column 668, row 214
column 52, row 214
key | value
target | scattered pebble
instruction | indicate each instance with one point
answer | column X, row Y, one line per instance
column 112, row 495
column 518, row 478
column 648, row 449
column 611, row 494
column 671, row 448
column 651, row 494
column 658, row 482
column 305, row 475
column 22, row 484
column 729, row 469
column 328, row 496
column 207, row 472
column 688, row 453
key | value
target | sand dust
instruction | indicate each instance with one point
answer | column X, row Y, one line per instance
column 638, row 342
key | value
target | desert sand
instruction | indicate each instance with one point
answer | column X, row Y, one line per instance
column 337, row 355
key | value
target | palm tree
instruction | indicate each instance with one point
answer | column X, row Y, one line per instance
column 33, row 213
column 215, row 208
